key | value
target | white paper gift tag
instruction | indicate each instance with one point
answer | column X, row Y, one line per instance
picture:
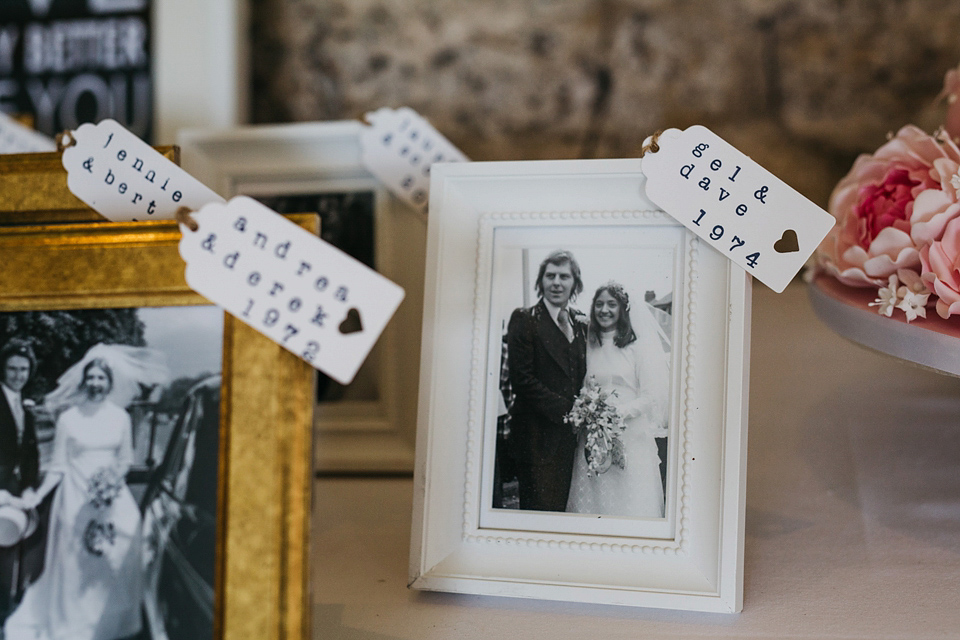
column 121, row 177
column 16, row 138
column 398, row 148
column 313, row 299
column 735, row 205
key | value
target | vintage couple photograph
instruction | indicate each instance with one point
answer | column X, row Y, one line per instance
column 582, row 390
column 109, row 428
column 582, row 423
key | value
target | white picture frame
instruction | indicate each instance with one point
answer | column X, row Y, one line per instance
column 201, row 58
column 376, row 434
column 691, row 557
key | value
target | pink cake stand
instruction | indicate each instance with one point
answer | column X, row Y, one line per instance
column 933, row 342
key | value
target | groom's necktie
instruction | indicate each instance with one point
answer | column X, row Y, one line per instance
column 18, row 416
column 563, row 319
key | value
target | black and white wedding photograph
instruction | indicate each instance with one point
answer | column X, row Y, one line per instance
column 109, row 439
column 583, row 402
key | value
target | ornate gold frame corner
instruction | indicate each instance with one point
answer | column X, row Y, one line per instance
column 264, row 492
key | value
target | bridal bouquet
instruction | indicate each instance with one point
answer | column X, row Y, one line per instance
column 103, row 487
column 97, row 536
column 593, row 415
column 898, row 219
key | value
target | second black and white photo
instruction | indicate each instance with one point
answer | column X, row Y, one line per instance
column 109, row 432
column 583, row 399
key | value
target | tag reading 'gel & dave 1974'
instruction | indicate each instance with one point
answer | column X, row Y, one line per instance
column 398, row 148
column 305, row 294
column 122, row 178
column 735, row 205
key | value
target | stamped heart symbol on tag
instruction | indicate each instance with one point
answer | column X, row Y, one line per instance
column 787, row 242
column 352, row 323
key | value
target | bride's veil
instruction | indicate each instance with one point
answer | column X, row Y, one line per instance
column 131, row 367
column 654, row 347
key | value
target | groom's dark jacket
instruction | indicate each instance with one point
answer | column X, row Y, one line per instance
column 19, row 461
column 546, row 373
column 19, row 469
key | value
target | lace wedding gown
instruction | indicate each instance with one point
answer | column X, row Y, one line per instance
column 639, row 376
column 81, row 595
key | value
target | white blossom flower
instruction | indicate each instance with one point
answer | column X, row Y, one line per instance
column 913, row 294
column 887, row 297
column 914, row 305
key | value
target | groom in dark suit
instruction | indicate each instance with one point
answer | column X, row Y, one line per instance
column 19, row 462
column 547, row 358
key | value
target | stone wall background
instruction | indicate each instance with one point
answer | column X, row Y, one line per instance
column 803, row 86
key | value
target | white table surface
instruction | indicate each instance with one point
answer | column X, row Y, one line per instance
column 853, row 515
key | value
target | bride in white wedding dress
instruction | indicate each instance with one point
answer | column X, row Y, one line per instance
column 633, row 364
column 91, row 585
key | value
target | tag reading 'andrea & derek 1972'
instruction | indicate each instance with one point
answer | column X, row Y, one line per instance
column 735, row 205
column 122, row 178
column 305, row 294
column 398, row 148
column 16, row 138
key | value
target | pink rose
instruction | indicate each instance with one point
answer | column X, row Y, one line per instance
column 941, row 269
column 890, row 204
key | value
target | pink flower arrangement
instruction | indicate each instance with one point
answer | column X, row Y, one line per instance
column 897, row 214
column 940, row 261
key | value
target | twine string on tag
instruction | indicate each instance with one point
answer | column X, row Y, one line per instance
column 65, row 140
column 653, row 146
column 183, row 217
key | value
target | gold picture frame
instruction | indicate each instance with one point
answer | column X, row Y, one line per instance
column 264, row 472
column 33, row 189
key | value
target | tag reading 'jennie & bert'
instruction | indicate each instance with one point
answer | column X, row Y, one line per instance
column 122, row 178
column 399, row 147
column 735, row 205
column 305, row 294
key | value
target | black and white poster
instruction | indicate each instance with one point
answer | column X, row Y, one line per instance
column 66, row 62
